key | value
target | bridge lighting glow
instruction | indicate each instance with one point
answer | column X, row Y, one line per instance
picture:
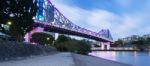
column 40, row 10
column 40, row 17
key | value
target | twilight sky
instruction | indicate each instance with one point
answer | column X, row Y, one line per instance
column 122, row 17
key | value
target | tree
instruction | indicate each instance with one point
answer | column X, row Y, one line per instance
column 42, row 38
column 139, row 44
column 147, row 41
column 62, row 38
column 85, row 46
column 64, row 43
column 119, row 42
column 20, row 13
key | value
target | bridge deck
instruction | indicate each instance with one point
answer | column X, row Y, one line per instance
column 51, row 28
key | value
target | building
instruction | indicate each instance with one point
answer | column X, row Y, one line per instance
column 131, row 38
column 146, row 36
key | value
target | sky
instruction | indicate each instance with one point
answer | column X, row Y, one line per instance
column 122, row 17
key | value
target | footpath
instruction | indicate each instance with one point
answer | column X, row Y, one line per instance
column 62, row 59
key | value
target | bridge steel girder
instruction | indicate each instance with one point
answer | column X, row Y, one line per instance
column 55, row 29
column 61, row 24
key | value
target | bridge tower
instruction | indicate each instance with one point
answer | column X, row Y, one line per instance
column 45, row 14
column 105, row 33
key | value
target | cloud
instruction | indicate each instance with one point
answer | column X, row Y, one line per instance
column 146, row 30
column 96, row 19
column 129, row 25
column 102, row 19
column 124, row 3
column 71, row 12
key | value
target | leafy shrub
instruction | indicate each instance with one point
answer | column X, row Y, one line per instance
column 64, row 43
column 19, row 49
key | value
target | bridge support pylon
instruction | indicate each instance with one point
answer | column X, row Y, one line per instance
column 56, row 36
column 105, row 45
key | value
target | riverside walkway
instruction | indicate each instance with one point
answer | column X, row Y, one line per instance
column 62, row 59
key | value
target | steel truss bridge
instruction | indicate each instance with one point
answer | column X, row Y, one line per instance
column 52, row 20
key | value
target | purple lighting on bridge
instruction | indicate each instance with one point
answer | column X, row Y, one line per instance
column 62, row 24
column 28, row 35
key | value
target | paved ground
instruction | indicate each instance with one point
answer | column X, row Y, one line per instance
column 62, row 59
column 82, row 60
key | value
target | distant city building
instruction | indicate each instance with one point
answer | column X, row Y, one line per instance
column 131, row 38
column 146, row 36
column 135, row 38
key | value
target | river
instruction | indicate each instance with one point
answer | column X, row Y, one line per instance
column 128, row 57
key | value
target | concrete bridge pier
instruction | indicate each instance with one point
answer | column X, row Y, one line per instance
column 56, row 36
column 105, row 45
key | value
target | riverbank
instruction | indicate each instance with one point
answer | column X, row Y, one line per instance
column 62, row 59
column 82, row 60
column 114, row 50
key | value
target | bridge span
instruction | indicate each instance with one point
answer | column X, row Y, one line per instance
column 52, row 20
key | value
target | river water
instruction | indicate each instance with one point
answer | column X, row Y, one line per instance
column 128, row 57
